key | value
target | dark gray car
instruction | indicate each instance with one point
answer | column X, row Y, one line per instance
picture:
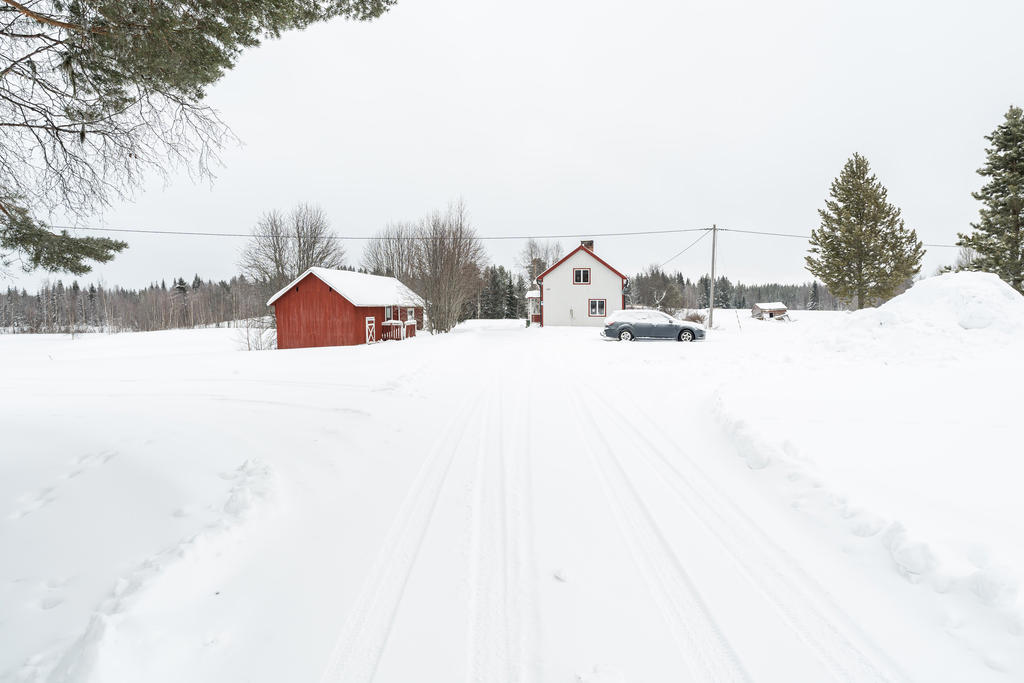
column 649, row 324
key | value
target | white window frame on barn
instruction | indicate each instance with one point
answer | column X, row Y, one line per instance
column 597, row 308
column 388, row 315
column 410, row 314
column 581, row 276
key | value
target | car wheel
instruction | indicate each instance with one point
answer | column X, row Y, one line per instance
column 625, row 335
column 686, row 336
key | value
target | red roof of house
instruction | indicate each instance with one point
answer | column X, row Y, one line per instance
column 581, row 247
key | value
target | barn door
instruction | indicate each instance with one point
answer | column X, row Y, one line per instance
column 371, row 330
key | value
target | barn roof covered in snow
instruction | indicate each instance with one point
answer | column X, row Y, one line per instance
column 361, row 289
column 771, row 306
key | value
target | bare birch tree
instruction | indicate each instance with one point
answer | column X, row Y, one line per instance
column 446, row 272
column 315, row 243
column 440, row 258
column 393, row 252
column 283, row 247
column 536, row 257
column 265, row 257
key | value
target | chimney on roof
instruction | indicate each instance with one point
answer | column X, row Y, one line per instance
column 589, row 244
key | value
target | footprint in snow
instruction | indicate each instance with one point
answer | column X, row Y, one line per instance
column 41, row 499
column 99, row 458
column 601, row 674
column 46, row 495
column 51, row 601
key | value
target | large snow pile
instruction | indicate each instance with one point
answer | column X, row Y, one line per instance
column 949, row 303
column 896, row 429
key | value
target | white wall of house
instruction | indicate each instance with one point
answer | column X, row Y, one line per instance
column 566, row 303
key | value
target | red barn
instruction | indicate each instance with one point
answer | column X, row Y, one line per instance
column 324, row 307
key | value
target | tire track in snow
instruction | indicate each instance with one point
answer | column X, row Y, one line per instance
column 803, row 605
column 366, row 631
column 502, row 597
column 527, row 590
column 706, row 652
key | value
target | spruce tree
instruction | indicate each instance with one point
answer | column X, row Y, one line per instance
column 493, row 293
column 862, row 251
column 814, row 300
column 723, row 292
column 703, row 291
column 997, row 239
column 511, row 302
column 520, row 297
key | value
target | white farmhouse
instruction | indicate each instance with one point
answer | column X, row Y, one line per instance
column 581, row 289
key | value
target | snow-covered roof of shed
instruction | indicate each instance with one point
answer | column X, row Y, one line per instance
column 533, row 294
column 771, row 305
column 361, row 289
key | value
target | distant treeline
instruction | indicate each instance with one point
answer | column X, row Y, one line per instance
column 199, row 303
column 673, row 291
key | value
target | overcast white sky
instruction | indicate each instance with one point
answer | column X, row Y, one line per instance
column 592, row 116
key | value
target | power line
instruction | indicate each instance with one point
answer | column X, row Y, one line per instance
column 807, row 237
column 773, row 234
column 688, row 247
column 140, row 231
column 195, row 233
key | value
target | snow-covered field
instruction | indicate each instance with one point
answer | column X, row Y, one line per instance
column 836, row 498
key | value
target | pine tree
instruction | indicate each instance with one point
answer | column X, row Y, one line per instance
column 862, row 251
column 97, row 94
column 997, row 240
column 814, row 300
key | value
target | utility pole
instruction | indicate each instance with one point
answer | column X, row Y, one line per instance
column 711, row 298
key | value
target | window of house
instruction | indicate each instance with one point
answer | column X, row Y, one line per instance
column 387, row 313
column 597, row 307
column 410, row 314
column 581, row 276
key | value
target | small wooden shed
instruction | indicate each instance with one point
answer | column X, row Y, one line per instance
column 768, row 311
column 326, row 307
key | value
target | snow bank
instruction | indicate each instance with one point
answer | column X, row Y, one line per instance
column 479, row 324
column 949, row 303
column 896, row 429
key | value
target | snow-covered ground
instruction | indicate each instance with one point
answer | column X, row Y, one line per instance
column 836, row 498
